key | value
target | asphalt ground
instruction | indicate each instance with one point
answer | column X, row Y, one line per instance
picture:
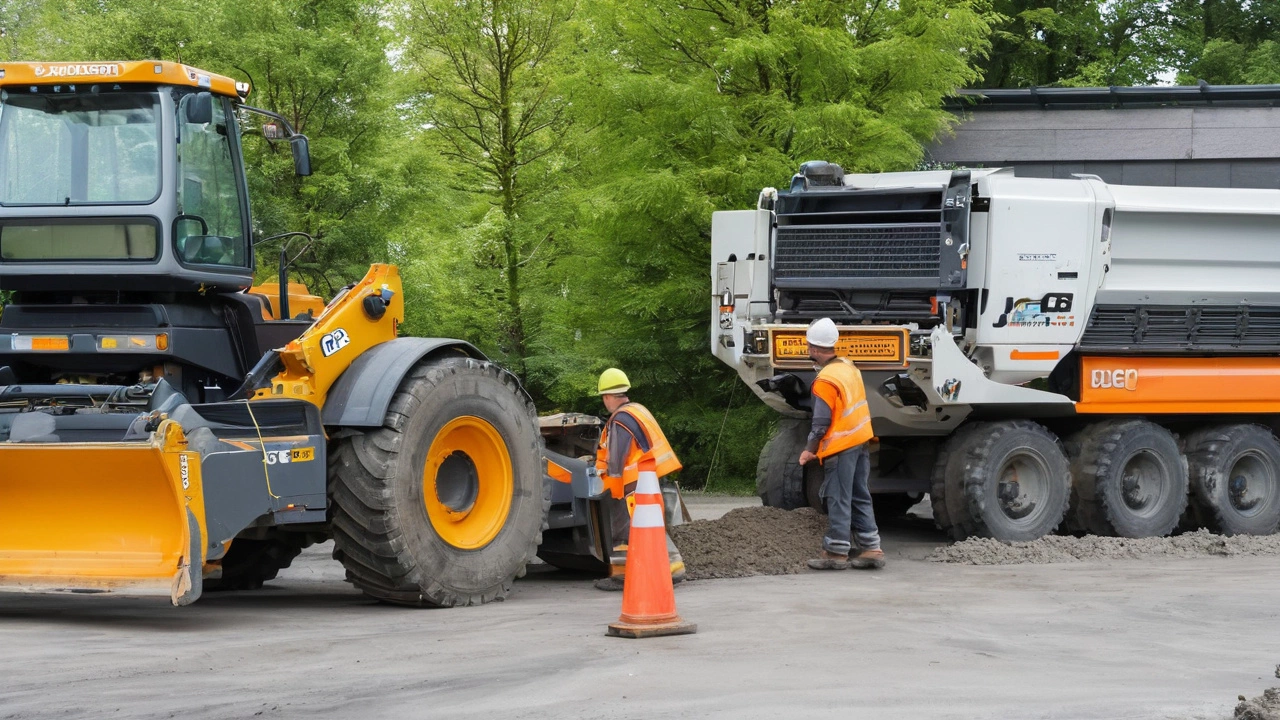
column 1176, row 638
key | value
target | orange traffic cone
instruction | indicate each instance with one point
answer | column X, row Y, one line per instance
column 648, row 597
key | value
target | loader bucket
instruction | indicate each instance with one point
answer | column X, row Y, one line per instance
column 119, row 517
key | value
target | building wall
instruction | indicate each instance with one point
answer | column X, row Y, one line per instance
column 1186, row 146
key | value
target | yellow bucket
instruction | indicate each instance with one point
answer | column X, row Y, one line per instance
column 119, row 517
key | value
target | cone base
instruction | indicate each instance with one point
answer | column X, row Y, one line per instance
column 644, row 630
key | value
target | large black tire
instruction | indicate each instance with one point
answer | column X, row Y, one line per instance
column 250, row 562
column 946, row 490
column 1235, row 478
column 1130, row 479
column 1016, row 482
column 383, row 533
column 780, row 480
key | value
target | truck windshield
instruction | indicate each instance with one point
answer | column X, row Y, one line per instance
column 79, row 148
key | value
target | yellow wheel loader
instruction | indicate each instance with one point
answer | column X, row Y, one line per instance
column 166, row 428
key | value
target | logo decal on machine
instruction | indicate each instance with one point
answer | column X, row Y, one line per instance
column 1052, row 310
column 285, row 457
column 334, row 341
column 77, row 70
column 1114, row 379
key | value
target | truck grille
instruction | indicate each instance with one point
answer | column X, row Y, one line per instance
column 1215, row 329
column 857, row 251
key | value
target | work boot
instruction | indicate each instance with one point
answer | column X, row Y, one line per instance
column 614, row 583
column 868, row 560
column 677, row 572
column 829, row 561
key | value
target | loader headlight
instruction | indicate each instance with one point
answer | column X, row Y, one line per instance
column 755, row 342
column 133, row 343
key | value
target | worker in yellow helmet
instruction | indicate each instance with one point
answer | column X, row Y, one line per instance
column 631, row 436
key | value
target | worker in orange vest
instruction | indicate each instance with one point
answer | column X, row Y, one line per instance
column 838, row 439
column 629, row 437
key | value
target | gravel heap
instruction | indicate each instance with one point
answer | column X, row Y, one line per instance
column 750, row 541
column 1060, row 548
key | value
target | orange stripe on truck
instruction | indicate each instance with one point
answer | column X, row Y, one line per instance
column 1033, row 355
column 1178, row 386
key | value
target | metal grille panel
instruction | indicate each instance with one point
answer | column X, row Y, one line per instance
column 857, row 251
column 1220, row 329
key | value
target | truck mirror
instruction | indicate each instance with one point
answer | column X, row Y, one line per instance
column 301, row 155
column 199, row 108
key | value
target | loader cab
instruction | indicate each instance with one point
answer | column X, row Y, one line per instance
column 126, row 244
column 117, row 186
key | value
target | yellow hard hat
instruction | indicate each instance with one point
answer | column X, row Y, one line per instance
column 613, row 381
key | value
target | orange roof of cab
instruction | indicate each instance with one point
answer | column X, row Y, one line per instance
column 18, row 74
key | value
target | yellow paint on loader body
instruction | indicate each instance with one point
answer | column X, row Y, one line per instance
column 315, row 361
column 103, row 517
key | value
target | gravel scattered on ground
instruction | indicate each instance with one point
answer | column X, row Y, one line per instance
column 1059, row 548
column 750, row 541
column 1264, row 707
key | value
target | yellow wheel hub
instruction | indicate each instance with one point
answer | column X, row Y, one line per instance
column 468, row 483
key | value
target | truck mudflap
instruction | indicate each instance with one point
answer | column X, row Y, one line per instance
column 103, row 517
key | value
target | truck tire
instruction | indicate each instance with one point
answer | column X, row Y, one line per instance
column 446, row 502
column 1130, row 480
column 250, row 562
column 1016, row 482
column 780, row 480
column 946, row 491
column 1235, row 479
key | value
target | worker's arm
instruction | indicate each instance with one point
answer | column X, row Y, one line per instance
column 817, row 429
column 624, row 430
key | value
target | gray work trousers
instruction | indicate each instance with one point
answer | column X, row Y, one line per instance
column 849, row 502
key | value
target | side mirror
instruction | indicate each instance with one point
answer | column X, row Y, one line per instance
column 301, row 155
column 199, row 108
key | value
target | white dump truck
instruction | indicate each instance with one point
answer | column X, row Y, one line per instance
column 1039, row 354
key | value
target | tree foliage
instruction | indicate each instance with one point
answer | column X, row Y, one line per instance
column 544, row 171
column 1134, row 42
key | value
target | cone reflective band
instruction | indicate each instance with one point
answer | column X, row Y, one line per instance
column 648, row 596
column 648, row 516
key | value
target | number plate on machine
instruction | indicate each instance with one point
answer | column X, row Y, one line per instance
column 878, row 347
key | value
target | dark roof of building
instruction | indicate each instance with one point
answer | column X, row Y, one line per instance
column 1051, row 98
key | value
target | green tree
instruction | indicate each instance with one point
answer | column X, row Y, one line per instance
column 695, row 106
column 1080, row 43
column 488, row 72
column 1227, row 43
column 320, row 63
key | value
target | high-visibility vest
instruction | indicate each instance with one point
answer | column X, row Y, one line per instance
column 839, row 384
column 660, row 452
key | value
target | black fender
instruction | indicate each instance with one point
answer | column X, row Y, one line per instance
column 363, row 392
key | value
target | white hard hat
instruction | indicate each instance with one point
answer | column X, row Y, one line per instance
column 822, row 333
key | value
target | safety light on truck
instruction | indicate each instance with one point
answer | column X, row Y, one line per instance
column 726, row 301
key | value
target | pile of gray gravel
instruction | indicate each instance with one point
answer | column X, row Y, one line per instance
column 1264, row 707
column 1058, row 548
column 750, row 541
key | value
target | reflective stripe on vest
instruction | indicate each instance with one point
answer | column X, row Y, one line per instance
column 660, row 452
column 851, row 418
